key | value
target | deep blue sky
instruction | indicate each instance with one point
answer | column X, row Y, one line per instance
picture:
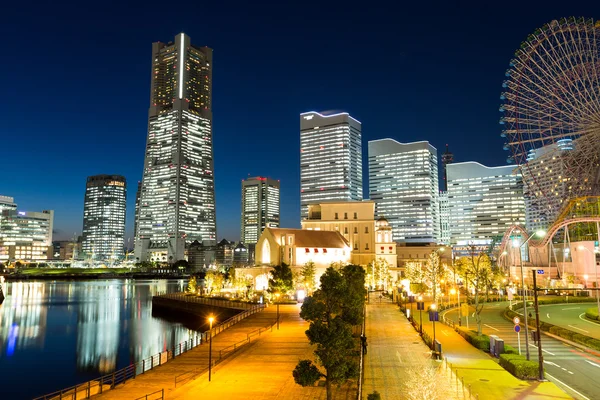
column 75, row 86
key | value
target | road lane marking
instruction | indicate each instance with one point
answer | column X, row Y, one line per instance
column 585, row 320
column 583, row 330
column 567, row 386
column 552, row 363
column 592, row 363
column 545, row 351
column 548, row 315
column 570, row 308
column 444, row 332
column 491, row 327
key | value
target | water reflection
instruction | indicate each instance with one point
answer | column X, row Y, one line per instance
column 82, row 329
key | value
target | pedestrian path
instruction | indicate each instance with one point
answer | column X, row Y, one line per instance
column 397, row 358
column 261, row 369
column 482, row 375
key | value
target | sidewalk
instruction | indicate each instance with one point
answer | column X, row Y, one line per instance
column 485, row 377
column 261, row 369
column 395, row 353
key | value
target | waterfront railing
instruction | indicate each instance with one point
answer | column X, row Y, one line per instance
column 190, row 298
column 110, row 381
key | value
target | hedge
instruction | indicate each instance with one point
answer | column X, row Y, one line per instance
column 592, row 313
column 480, row 342
column 519, row 366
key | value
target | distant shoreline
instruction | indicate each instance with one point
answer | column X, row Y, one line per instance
column 88, row 276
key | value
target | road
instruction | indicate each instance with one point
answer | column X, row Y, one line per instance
column 573, row 370
column 571, row 316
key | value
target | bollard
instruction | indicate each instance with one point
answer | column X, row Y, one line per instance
column 143, row 366
column 469, row 391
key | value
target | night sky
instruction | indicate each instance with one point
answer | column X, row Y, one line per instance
column 75, row 85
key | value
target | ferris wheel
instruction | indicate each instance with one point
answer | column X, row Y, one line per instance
column 551, row 111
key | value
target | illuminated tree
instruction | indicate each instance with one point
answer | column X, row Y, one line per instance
column 434, row 272
column 378, row 275
column 416, row 274
column 191, row 288
column 307, row 277
column 214, row 280
column 476, row 269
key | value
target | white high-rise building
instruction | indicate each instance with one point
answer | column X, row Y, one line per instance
column 483, row 202
column 403, row 182
column 330, row 159
column 104, row 209
column 260, row 207
column 548, row 183
column 177, row 198
column 24, row 235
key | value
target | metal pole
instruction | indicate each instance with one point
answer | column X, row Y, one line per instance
column 459, row 310
column 537, row 324
column 524, row 300
column 277, row 316
column 210, row 352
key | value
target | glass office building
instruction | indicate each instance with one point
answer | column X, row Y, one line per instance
column 403, row 183
column 330, row 159
column 260, row 207
column 483, row 202
column 104, row 209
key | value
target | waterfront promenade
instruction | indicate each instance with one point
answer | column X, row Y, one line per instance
column 261, row 369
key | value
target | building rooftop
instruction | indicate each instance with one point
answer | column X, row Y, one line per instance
column 312, row 239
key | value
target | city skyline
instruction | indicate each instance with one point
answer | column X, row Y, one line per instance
column 454, row 101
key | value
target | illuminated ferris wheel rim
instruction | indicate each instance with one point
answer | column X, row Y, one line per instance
column 553, row 90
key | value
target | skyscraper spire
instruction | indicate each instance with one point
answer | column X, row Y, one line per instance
column 447, row 158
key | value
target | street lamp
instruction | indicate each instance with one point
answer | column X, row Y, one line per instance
column 595, row 271
column 585, row 277
column 277, row 302
column 420, row 306
column 457, row 293
column 210, row 321
column 433, row 309
column 540, row 233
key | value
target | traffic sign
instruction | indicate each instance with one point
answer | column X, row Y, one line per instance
column 517, row 328
column 516, row 320
column 540, row 272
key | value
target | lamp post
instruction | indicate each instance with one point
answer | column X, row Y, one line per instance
column 539, row 233
column 537, row 325
column 433, row 309
column 420, row 306
column 277, row 302
column 453, row 292
column 210, row 321
column 595, row 272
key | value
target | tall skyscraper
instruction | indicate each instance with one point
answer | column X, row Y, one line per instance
column 104, row 208
column 403, row 182
column 260, row 207
column 483, row 202
column 177, row 199
column 330, row 158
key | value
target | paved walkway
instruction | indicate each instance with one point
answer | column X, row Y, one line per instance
column 482, row 373
column 261, row 369
column 397, row 358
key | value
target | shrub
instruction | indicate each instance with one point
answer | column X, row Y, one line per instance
column 481, row 342
column 592, row 313
column 519, row 366
column 510, row 350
